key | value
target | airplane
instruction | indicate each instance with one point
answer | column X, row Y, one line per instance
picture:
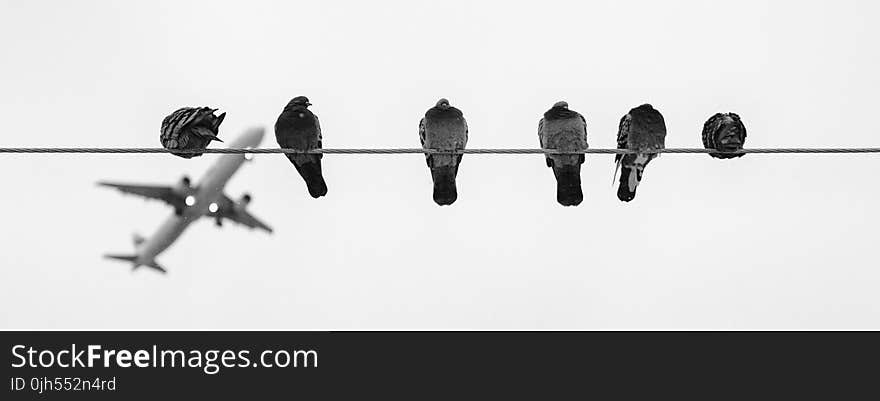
column 206, row 199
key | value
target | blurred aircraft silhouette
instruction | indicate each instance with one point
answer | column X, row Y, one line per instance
column 193, row 202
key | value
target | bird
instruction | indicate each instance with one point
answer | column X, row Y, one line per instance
column 298, row 128
column 566, row 130
column 642, row 129
column 724, row 132
column 443, row 128
column 190, row 128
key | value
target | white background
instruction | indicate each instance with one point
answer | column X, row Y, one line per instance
column 761, row 242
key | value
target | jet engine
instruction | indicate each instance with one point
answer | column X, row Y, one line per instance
column 184, row 186
column 244, row 201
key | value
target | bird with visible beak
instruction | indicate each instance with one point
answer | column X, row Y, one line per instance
column 298, row 128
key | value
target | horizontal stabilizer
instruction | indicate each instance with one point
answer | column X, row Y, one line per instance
column 125, row 258
column 133, row 260
column 156, row 266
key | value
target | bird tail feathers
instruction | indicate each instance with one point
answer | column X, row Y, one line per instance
column 629, row 181
column 219, row 120
column 445, row 192
column 616, row 169
column 568, row 185
column 206, row 133
column 311, row 173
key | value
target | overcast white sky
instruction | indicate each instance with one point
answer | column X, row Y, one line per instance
column 761, row 242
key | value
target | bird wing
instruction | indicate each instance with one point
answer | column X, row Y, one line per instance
column 742, row 127
column 320, row 143
column 318, row 128
column 422, row 131
column 463, row 121
column 622, row 135
column 163, row 193
column 709, row 129
column 183, row 117
column 543, row 142
column 464, row 143
column 622, row 141
column 227, row 210
column 205, row 133
column 584, row 121
column 422, row 134
column 541, row 133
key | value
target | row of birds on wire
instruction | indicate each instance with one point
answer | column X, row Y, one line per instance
column 444, row 128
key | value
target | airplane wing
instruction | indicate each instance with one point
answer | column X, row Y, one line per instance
column 163, row 193
column 228, row 209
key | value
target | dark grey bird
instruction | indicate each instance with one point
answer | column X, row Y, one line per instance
column 190, row 128
column 642, row 129
column 443, row 128
column 565, row 130
column 298, row 128
column 724, row 132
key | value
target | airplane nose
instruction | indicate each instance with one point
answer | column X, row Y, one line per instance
column 255, row 135
column 251, row 138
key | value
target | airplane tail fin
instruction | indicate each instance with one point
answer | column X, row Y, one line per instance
column 134, row 262
column 137, row 239
column 124, row 258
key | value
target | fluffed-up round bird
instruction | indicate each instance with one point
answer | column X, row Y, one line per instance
column 190, row 128
column 724, row 132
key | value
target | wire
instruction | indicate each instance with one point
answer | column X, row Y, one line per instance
column 430, row 151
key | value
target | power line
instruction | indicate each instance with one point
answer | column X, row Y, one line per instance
column 429, row 151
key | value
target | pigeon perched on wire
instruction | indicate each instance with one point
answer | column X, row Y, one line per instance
column 190, row 128
column 642, row 129
column 565, row 130
column 724, row 132
column 298, row 128
column 443, row 128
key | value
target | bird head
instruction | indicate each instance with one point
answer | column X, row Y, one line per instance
column 300, row 101
column 442, row 103
column 561, row 104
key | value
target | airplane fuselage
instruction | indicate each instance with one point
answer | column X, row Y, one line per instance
column 208, row 191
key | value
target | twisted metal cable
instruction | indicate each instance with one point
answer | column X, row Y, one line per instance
column 430, row 151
